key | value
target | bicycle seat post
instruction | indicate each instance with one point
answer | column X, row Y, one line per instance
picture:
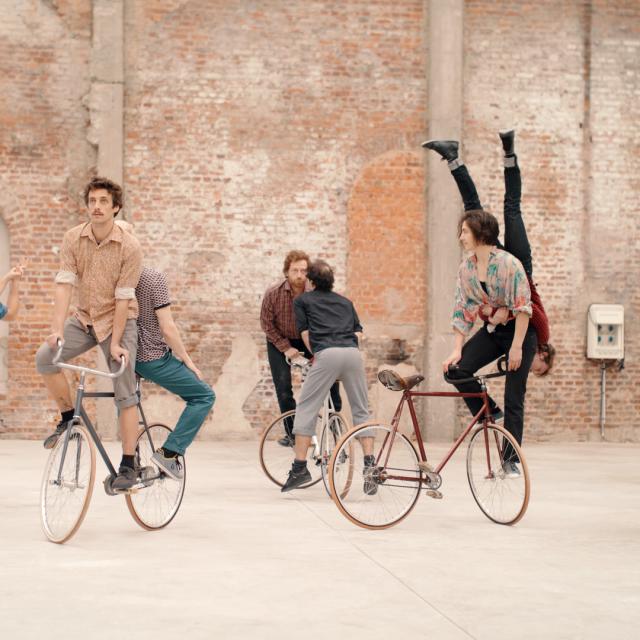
column 80, row 393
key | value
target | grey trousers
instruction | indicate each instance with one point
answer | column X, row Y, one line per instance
column 329, row 365
column 77, row 340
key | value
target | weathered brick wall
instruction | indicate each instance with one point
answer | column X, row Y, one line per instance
column 568, row 79
column 255, row 127
column 247, row 127
column 44, row 160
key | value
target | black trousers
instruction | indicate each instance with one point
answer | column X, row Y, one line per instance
column 484, row 347
column 281, row 375
column 516, row 241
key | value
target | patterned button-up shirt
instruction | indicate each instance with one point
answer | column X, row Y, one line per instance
column 103, row 273
column 276, row 316
column 152, row 293
column 507, row 286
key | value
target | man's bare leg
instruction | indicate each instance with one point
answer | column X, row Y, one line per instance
column 129, row 429
column 301, row 447
column 367, row 445
column 58, row 388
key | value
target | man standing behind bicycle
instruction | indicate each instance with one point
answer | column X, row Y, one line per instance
column 104, row 263
column 159, row 343
column 329, row 326
column 277, row 320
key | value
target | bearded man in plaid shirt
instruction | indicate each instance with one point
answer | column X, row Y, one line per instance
column 283, row 338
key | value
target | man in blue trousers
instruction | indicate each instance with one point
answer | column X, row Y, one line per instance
column 163, row 359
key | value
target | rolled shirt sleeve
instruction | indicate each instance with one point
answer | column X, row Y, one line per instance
column 130, row 271
column 68, row 273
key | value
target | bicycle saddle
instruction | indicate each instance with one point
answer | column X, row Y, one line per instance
column 395, row 382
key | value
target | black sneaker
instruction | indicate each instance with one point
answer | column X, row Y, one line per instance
column 497, row 417
column 296, row 479
column 447, row 149
column 50, row 440
column 287, row 440
column 370, row 484
column 125, row 479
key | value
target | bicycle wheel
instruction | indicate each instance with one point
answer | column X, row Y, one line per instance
column 66, row 491
column 331, row 434
column 276, row 458
column 156, row 501
column 501, row 497
column 380, row 496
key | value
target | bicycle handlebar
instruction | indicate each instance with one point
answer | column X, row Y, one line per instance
column 502, row 371
column 299, row 361
column 97, row 372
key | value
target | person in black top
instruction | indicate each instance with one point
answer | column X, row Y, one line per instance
column 330, row 328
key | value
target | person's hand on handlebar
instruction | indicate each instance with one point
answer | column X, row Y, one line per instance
column 53, row 339
column 118, row 352
column 291, row 353
column 454, row 358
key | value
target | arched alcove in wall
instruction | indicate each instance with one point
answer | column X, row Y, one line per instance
column 5, row 261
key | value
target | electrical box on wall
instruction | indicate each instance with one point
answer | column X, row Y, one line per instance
column 605, row 332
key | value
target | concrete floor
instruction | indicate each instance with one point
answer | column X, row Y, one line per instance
column 243, row 561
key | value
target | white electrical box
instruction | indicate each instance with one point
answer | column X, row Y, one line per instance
column 605, row 332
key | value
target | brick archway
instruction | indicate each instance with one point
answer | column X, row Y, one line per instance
column 386, row 250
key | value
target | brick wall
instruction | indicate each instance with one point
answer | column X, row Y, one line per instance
column 568, row 79
column 255, row 127
column 44, row 160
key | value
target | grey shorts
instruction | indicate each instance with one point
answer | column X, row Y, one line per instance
column 78, row 339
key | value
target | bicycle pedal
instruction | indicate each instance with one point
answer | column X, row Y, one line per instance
column 425, row 466
column 432, row 493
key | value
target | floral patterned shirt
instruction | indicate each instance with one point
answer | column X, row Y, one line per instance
column 507, row 286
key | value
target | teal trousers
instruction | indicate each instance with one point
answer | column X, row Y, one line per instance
column 173, row 375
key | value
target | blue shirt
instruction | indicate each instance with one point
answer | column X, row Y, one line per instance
column 3, row 311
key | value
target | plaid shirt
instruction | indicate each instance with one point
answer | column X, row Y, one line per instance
column 276, row 316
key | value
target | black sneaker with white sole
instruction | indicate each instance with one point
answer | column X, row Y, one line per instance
column 125, row 479
column 296, row 479
column 61, row 427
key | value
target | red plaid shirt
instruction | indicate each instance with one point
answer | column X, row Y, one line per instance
column 276, row 316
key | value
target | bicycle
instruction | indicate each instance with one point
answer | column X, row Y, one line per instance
column 276, row 444
column 398, row 475
column 69, row 475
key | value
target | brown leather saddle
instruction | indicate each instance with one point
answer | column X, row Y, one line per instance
column 395, row 382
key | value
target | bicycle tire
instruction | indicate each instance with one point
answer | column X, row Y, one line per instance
column 393, row 500
column 276, row 459
column 503, row 499
column 153, row 507
column 59, row 523
column 332, row 432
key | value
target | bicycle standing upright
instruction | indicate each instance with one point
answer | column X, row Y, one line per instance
column 69, row 475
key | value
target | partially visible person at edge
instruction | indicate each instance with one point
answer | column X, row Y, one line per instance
column 490, row 276
column 330, row 328
column 277, row 320
column 163, row 359
column 12, row 278
column 104, row 263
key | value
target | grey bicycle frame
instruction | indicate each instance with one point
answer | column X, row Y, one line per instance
column 80, row 413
